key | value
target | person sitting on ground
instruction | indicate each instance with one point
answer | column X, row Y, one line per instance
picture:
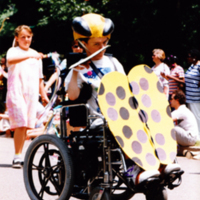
column 186, row 126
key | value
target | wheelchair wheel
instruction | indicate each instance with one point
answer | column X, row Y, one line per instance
column 48, row 169
column 95, row 192
column 160, row 194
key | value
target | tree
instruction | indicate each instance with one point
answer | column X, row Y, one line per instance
column 7, row 28
column 56, row 22
column 140, row 26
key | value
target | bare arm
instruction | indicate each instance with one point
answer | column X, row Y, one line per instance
column 73, row 89
column 42, row 92
column 4, row 116
column 165, row 90
column 17, row 59
column 180, row 80
column 52, row 79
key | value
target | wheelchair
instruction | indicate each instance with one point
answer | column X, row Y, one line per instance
column 87, row 164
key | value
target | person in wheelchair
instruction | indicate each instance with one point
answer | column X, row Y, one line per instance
column 93, row 32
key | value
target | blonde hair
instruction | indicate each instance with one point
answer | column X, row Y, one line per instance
column 160, row 54
column 17, row 32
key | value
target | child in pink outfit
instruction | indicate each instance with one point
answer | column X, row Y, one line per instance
column 24, row 84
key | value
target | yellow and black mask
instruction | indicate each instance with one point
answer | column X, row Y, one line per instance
column 92, row 25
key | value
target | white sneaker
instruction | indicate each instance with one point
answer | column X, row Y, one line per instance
column 172, row 167
column 17, row 163
column 138, row 175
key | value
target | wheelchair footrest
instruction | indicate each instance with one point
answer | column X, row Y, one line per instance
column 172, row 177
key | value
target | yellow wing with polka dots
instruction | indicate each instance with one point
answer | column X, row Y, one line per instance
column 126, row 120
column 149, row 93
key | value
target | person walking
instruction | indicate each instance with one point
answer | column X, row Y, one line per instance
column 24, row 84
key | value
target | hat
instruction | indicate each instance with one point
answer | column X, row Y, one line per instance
column 92, row 25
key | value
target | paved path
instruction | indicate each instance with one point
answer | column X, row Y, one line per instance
column 12, row 184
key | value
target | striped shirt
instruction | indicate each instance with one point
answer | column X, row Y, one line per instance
column 192, row 78
column 176, row 72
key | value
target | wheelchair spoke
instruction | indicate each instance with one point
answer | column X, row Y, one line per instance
column 55, row 183
column 53, row 179
column 35, row 167
column 46, row 149
column 43, row 185
column 50, row 178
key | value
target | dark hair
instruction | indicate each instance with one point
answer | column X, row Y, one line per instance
column 195, row 53
column 180, row 96
column 169, row 60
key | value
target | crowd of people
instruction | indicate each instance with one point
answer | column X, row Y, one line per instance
column 183, row 92
column 25, row 82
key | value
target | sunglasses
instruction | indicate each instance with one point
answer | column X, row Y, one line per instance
column 76, row 46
